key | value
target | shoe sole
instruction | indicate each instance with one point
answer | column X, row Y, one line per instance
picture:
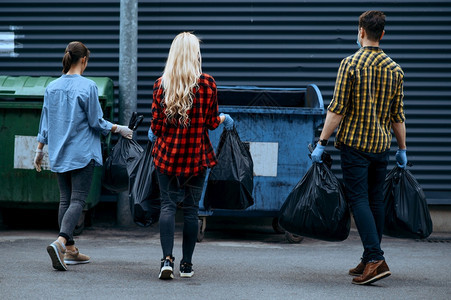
column 374, row 279
column 76, row 262
column 56, row 260
column 186, row 275
column 166, row 273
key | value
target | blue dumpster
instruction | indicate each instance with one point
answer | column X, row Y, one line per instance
column 278, row 124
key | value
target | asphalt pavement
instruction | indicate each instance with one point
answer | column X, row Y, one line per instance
column 238, row 259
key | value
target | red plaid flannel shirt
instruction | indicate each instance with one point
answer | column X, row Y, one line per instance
column 186, row 151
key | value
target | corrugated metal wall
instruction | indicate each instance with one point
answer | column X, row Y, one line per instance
column 262, row 43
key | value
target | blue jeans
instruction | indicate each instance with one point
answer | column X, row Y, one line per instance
column 364, row 176
column 74, row 190
column 188, row 190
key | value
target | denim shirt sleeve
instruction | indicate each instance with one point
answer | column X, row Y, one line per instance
column 44, row 123
column 95, row 114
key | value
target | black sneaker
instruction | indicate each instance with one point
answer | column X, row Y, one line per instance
column 186, row 270
column 167, row 269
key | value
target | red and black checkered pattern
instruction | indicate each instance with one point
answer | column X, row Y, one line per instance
column 186, row 151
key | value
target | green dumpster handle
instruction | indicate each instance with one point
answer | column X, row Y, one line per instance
column 21, row 104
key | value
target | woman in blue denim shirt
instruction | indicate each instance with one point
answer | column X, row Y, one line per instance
column 71, row 124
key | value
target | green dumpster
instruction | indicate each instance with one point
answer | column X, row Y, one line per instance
column 21, row 100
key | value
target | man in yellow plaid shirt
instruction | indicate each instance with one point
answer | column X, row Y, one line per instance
column 367, row 104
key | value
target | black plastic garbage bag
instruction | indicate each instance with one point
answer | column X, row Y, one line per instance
column 317, row 207
column 406, row 210
column 144, row 192
column 231, row 181
column 124, row 154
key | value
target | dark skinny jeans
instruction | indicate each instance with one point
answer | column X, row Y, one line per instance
column 74, row 189
column 364, row 177
column 188, row 190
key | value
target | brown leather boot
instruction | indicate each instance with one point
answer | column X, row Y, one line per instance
column 357, row 271
column 373, row 272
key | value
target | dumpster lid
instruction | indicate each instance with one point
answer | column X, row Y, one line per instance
column 34, row 87
column 253, row 96
column 23, row 86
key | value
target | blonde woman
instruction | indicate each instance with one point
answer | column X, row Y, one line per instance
column 184, row 108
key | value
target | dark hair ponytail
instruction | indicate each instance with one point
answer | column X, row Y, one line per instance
column 74, row 51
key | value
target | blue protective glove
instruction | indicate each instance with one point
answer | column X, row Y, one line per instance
column 317, row 153
column 228, row 121
column 151, row 136
column 401, row 158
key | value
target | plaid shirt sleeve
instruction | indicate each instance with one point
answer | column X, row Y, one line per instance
column 212, row 120
column 342, row 91
column 397, row 109
column 157, row 111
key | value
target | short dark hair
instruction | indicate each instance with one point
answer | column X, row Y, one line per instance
column 373, row 21
column 74, row 51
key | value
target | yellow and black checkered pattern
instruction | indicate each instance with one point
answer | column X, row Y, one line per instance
column 369, row 95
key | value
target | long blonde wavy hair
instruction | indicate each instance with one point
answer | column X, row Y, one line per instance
column 181, row 73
